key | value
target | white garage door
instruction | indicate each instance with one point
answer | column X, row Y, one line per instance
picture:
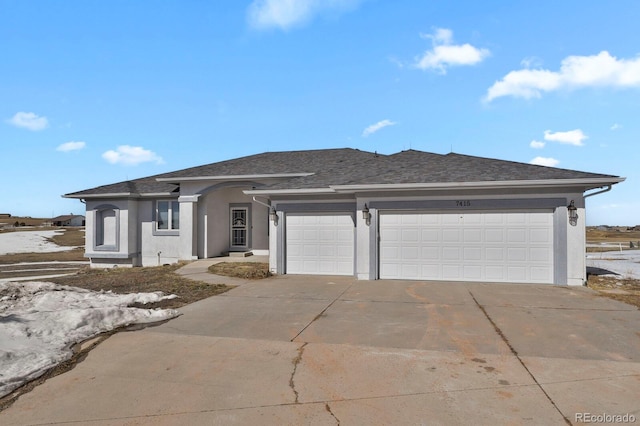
column 320, row 244
column 478, row 246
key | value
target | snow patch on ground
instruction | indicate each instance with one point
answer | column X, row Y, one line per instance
column 29, row 242
column 40, row 322
column 625, row 263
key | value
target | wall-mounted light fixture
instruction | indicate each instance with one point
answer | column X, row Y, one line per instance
column 273, row 215
column 573, row 213
column 366, row 215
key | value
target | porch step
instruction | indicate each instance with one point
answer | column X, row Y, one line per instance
column 240, row 254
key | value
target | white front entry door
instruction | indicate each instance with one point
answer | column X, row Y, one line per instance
column 320, row 244
column 470, row 246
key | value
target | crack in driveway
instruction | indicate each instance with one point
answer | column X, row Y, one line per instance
column 326, row 407
column 515, row 353
column 295, row 362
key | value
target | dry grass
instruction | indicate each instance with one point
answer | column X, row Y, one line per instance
column 61, row 256
column 611, row 235
column 621, row 289
column 247, row 270
column 135, row 280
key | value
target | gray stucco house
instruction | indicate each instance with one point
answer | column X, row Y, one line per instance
column 410, row 215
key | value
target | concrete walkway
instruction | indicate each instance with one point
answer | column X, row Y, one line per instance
column 333, row 350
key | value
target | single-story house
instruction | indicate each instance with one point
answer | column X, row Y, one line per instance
column 68, row 220
column 409, row 215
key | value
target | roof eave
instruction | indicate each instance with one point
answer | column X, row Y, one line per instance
column 332, row 189
column 586, row 182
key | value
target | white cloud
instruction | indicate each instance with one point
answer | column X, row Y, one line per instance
column 537, row 144
column 571, row 137
column 601, row 70
column 131, row 156
column 287, row 14
column 70, row 146
column 29, row 120
column 377, row 126
column 615, row 126
column 446, row 54
column 545, row 161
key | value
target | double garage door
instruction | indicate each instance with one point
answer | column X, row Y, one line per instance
column 469, row 246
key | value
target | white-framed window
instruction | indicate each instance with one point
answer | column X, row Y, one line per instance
column 167, row 215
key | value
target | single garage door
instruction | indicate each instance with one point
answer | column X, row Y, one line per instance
column 470, row 246
column 320, row 244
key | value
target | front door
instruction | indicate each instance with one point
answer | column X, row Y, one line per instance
column 239, row 236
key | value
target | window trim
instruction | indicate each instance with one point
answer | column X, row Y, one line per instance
column 169, row 230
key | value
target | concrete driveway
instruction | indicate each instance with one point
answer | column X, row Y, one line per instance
column 333, row 350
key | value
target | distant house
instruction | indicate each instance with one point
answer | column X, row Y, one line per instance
column 409, row 215
column 68, row 220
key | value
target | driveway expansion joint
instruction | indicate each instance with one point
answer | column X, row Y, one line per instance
column 322, row 312
column 515, row 353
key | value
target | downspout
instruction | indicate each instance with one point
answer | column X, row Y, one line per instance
column 602, row 191
column 255, row 198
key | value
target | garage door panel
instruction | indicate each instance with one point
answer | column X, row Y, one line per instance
column 516, row 235
column 516, row 273
column 451, row 272
column 452, row 253
column 539, row 254
column 473, row 235
column 430, row 253
column 539, row 235
column 472, row 273
column 472, row 253
column 494, row 235
column 411, row 253
column 450, row 235
column 472, row 246
column 494, row 273
column 319, row 244
column 494, row 254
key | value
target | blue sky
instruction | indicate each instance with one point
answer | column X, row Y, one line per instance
column 99, row 92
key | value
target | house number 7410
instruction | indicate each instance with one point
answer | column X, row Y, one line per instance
column 463, row 203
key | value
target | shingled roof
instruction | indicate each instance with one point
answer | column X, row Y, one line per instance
column 346, row 166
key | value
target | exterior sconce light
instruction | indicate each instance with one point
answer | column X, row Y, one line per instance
column 273, row 215
column 366, row 215
column 573, row 213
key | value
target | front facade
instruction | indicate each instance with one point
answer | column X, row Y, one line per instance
column 410, row 215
